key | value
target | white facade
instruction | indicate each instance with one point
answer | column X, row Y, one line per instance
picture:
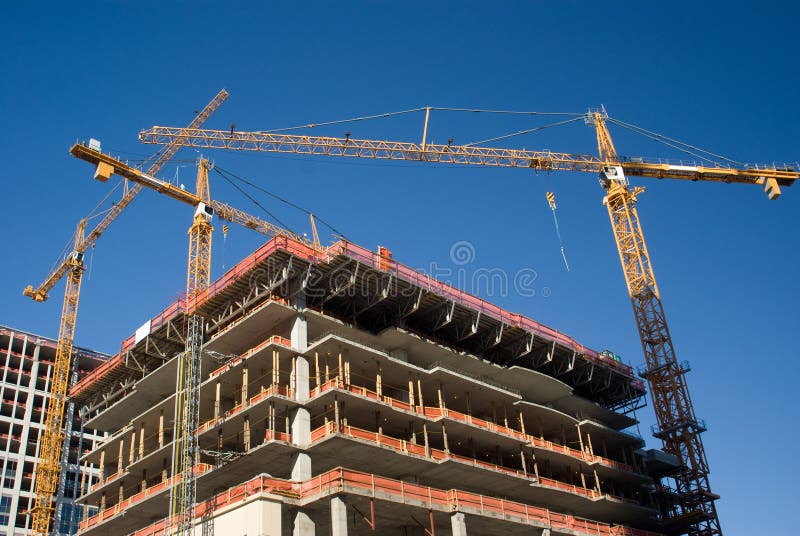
column 25, row 367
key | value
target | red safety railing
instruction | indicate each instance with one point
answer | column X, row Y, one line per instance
column 388, row 489
column 435, row 413
column 275, row 339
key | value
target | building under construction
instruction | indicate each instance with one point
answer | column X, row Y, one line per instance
column 345, row 393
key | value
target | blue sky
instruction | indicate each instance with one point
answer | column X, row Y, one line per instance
column 720, row 75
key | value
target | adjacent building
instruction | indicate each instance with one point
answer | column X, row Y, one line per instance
column 26, row 361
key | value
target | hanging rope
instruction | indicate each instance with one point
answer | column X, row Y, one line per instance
column 551, row 200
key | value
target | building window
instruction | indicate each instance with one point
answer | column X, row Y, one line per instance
column 9, row 474
column 5, row 510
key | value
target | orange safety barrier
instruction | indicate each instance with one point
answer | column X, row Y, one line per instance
column 111, row 511
column 274, row 339
column 453, row 500
column 436, row 413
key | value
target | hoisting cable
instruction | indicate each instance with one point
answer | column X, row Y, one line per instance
column 252, row 199
column 551, row 200
column 282, row 200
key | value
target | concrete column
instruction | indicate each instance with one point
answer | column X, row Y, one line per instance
column 458, row 524
column 300, row 418
column 302, row 524
column 299, row 335
column 338, row 516
column 302, row 379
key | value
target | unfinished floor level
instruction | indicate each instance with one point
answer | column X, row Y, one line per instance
column 344, row 393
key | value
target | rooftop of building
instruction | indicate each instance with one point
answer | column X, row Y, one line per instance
column 373, row 292
column 88, row 360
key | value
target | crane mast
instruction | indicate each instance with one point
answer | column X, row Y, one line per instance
column 694, row 511
column 185, row 448
column 48, row 468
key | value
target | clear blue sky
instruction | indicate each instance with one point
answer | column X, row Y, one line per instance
column 720, row 75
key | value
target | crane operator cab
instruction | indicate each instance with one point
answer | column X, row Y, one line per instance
column 609, row 174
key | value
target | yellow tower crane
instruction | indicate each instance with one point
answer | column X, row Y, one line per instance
column 693, row 510
column 185, row 449
column 48, row 469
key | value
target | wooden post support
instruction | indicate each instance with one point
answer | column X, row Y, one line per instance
column 132, row 452
column 378, row 379
column 218, row 400
column 440, row 396
column 141, row 440
column 411, row 391
column 522, row 423
column 246, row 432
column 522, row 459
column 293, row 377
column 245, row 381
column 316, row 369
column 444, row 437
column 102, row 472
column 161, row 429
column 425, row 439
column 419, row 396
